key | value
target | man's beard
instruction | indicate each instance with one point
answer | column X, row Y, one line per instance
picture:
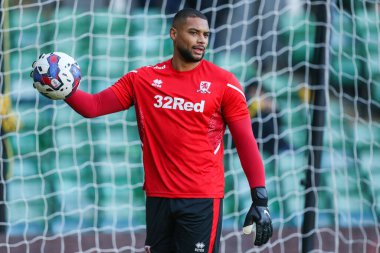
column 187, row 56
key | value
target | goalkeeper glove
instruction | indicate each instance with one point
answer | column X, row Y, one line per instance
column 258, row 217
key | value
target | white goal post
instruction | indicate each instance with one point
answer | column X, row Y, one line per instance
column 70, row 184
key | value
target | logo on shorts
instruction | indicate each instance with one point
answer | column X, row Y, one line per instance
column 199, row 247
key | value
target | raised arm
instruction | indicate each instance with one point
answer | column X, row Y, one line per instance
column 94, row 105
column 57, row 76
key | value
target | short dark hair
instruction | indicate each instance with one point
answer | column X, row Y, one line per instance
column 183, row 14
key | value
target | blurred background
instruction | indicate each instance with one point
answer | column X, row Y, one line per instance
column 311, row 74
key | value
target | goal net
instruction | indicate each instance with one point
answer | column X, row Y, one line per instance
column 70, row 184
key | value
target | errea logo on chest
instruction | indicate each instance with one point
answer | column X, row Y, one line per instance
column 176, row 103
column 157, row 83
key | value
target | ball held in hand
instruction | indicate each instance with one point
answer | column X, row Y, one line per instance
column 56, row 75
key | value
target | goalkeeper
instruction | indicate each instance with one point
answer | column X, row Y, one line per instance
column 183, row 106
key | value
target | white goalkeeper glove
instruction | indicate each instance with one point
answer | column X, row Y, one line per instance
column 258, row 221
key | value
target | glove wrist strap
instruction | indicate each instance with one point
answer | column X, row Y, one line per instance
column 259, row 196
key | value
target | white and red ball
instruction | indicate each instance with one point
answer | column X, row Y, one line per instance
column 56, row 75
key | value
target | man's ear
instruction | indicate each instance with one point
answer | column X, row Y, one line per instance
column 173, row 33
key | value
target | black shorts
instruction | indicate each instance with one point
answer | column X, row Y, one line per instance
column 183, row 225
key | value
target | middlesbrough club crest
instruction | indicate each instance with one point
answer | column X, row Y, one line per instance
column 204, row 87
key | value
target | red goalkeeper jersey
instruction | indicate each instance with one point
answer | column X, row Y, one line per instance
column 182, row 118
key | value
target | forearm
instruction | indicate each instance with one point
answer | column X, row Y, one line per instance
column 248, row 152
column 94, row 105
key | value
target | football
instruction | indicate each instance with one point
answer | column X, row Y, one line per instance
column 56, row 75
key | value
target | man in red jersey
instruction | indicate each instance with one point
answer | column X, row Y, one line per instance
column 183, row 106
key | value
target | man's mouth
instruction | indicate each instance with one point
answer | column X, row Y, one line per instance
column 199, row 50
